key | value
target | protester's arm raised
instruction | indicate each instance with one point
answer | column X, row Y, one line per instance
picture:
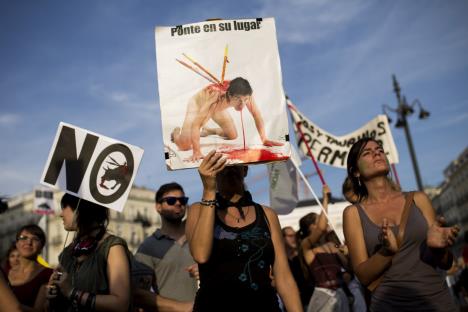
column 308, row 243
column 285, row 284
column 200, row 219
column 366, row 268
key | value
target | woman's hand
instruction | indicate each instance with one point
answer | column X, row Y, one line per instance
column 439, row 236
column 387, row 238
column 209, row 168
column 193, row 271
column 62, row 281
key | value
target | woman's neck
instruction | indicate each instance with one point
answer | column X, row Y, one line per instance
column 379, row 190
column 26, row 264
column 92, row 231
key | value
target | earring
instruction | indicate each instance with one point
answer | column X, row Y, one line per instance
column 359, row 182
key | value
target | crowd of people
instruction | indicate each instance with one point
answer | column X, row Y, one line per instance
column 226, row 252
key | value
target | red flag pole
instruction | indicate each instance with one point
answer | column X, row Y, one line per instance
column 309, row 152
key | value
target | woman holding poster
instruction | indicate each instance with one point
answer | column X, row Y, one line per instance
column 395, row 241
column 237, row 243
column 94, row 272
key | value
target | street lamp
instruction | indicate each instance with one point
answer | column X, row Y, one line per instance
column 404, row 109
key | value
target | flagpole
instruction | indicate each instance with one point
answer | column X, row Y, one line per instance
column 306, row 182
column 309, row 152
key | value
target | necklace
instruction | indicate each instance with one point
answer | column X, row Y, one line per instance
column 238, row 218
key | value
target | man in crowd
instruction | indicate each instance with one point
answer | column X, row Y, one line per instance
column 165, row 272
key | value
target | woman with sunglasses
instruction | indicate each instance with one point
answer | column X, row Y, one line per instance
column 94, row 272
column 29, row 278
column 236, row 243
column 395, row 241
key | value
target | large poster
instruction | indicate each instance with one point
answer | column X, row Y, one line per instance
column 333, row 150
column 220, row 88
column 91, row 166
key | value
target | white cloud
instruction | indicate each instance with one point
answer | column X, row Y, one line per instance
column 9, row 119
column 310, row 21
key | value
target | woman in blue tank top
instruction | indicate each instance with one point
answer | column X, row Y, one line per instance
column 394, row 239
column 237, row 244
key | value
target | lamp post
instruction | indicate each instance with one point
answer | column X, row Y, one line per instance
column 403, row 110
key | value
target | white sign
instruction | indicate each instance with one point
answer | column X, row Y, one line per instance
column 44, row 201
column 220, row 88
column 91, row 166
column 333, row 150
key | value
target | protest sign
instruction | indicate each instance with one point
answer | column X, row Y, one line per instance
column 91, row 166
column 333, row 150
column 220, row 88
column 44, row 201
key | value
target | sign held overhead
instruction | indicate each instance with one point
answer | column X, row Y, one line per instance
column 91, row 166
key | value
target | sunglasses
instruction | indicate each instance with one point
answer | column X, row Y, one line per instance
column 171, row 200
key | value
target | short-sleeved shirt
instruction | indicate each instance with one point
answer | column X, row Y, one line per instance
column 161, row 263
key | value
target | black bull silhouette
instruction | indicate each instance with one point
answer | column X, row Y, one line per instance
column 118, row 174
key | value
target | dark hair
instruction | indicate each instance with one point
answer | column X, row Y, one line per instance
column 239, row 86
column 332, row 237
column 11, row 249
column 173, row 186
column 352, row 167
column 69, row 200
column 283, row 230
column 89, row 214
column 34, row 230
column 305, row 222
column 348, row 191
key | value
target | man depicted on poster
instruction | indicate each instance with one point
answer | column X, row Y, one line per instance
column 212, row 103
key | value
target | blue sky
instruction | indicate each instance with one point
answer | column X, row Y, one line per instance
column 92, row 64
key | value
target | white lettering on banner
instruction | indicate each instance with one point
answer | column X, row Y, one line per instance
column 333, row 150
column 91, row 166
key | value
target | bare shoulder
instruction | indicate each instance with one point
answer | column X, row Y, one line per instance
column 423, row 202
column 350, row 211
column 420, row 196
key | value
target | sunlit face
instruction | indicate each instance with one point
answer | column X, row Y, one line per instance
column 372, row 160
column 13, row 258
column 172, row 212
column 290, row 237
column 68, row 218
column 239, row 101
column 28, row 245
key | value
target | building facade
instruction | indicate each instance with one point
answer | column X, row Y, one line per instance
column 138, row 220
column 452, row 199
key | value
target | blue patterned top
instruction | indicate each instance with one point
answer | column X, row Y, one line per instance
column 237, row 275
